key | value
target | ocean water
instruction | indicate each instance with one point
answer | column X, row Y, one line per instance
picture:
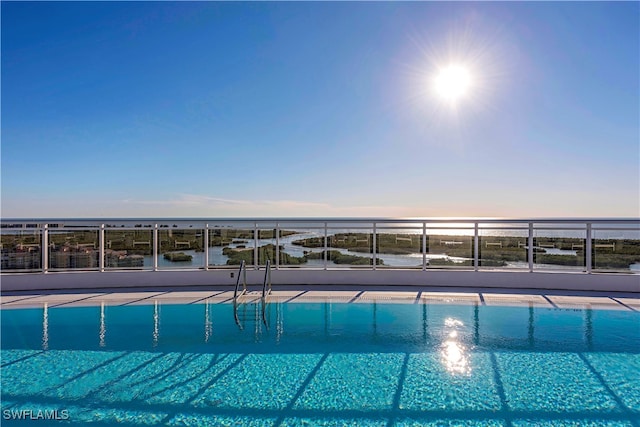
column 329, row 364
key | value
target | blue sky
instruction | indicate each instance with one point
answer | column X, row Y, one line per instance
column 319, row 109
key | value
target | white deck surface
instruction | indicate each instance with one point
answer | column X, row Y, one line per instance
column 221, row 296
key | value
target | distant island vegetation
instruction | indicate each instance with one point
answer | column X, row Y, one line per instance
column 494, row 251
column 177, row 257
column 237, row 255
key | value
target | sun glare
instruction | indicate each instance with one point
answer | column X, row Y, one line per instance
column 452, row 83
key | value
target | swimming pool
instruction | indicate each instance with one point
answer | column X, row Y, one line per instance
column 325, row 363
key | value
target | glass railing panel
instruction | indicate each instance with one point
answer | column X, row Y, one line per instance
column 267, row 243
column 559, row 247
column 18, row 226
column 185, row 225
column 180, row 248
column 128, row 248
column 294, row 225
column 503, row 248
column 450, row 248
column 502, row 224
column 71, row 250
column 350, row 247
column 266, row 226
column 450, row 244
column 20, row 249
column 616, row 249
column 340, row 224
column 399, row 247
column 129, row 225
column 230, row 246
column 394, row 224
column 449, row 225
column 75, row 223
column 302, row 247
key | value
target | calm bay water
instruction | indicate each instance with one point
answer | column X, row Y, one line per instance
column 216, row 256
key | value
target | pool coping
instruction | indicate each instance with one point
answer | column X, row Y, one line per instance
column 552, row 299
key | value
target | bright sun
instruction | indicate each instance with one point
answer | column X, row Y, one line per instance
column 452, row 83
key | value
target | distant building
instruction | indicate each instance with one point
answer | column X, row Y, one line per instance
column 21, row 259
column 122, row 259
column 67, row 256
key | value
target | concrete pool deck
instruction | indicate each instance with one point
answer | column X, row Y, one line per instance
column 307, row 294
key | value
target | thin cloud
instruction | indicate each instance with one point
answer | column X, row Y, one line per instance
column 202, row 205
column 193, row 205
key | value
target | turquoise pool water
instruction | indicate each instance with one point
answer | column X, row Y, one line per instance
column 330, row 364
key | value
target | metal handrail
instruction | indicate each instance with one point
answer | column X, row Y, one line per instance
column 267, row 280
column 264, row 313
column 241, row 271
column 235, row 315
column 266, row 292
column 136, row 222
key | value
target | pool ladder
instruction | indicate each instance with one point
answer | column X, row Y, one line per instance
column 242, row 272
column 266, row 290
column 267, row 280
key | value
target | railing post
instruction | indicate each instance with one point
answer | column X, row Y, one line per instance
column 588, row 248
column 476, row 255
column 375, row 252
column 256, row 261
column 101, row 248
column 277, row 231
column 326, row 237
column 530, row 247
column 424, row 246
column 206, row 247
column 155, row 247
column 45, row 248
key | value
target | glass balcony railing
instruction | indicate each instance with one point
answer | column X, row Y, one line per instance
column 451, row 246
column 128, row 248
column 21, row 248
column 230, row 246
column 572, row 245
column 400, row 246
column 73, row 249
column 558, row 244
column 615, row 248
column 503, row 246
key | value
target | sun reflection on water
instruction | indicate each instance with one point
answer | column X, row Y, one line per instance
column 454, row 353
column 156, row 322
column 208, row 325
column 103, row 326
column 45, row 327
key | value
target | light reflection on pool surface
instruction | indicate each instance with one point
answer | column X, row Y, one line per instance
column 324, row 364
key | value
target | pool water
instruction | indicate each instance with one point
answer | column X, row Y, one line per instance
column 329, row 364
